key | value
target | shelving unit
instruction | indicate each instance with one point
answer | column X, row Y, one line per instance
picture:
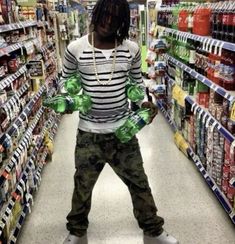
column 197, row 119
column 207, row 40
column 27, row 125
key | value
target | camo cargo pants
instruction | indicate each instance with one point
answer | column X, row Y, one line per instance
column 91, row 153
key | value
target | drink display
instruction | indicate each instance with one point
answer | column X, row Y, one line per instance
column 216, row 20
column 133, row 125
column 61, row 104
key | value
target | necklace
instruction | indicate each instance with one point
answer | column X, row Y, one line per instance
column 95, row 67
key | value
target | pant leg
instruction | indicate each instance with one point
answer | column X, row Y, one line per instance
column 89, row 164
column 128, row 164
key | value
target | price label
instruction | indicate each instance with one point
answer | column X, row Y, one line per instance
column 213, row 126
column 208, row 122
column 200, row 114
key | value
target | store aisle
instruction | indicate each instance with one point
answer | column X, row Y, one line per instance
column 192, row 213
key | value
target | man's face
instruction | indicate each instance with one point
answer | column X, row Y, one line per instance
column 108, row 25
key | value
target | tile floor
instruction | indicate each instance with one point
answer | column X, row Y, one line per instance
column 191, row 211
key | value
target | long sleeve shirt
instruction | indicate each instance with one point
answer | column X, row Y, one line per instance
column 110, row 105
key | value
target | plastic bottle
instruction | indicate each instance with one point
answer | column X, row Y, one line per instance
column 227, row 70
column 183, row 19
column 201, row 21
column 175, row 15
column 73, row 84
column 61, row 104
column 134, row 92
column 133, row 125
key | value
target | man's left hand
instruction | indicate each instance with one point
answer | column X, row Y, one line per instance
column 153, row 110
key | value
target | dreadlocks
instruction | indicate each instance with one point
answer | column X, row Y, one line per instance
column 108, row 8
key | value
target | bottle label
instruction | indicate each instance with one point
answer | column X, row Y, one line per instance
column 136, row 119
column 69, row 101
column 192, row 56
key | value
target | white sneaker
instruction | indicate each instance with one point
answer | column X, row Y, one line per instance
column 164, row 238
column 72, row 239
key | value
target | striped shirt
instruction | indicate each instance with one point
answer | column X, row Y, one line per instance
column 110, row 106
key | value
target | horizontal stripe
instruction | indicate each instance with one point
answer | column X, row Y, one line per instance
column 106, row 109
column 105, row 79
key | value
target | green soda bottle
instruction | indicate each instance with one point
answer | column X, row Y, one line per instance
column 73, row 84
column 133, row 125
column 61, row 104
column 134, row 92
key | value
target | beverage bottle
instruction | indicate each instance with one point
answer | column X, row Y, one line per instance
column 134, row 92
column 133, row 125
column 201, row 21
column 227, row 69
column 192, row 53
column 170, row 17
column 226, row 22
column 190, row 18
column 215, row 12
column 73, row 84
column 175, row 14
column 63, row 103
column 219, row 21
column 183, row 19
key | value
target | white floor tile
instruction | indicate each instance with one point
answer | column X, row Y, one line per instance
column 191, row 211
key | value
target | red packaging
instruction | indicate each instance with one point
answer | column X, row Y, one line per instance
column 183, row 20
column 232, row 171
column 226, row 171
column 230, row 193
column 225, row 185
column 227, row 146
column 201, row 21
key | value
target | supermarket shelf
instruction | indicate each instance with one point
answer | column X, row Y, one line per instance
column 24, row 115
column 207, row 117
column 22, row 181
column 18, row 94
column 211, row 183
column 213, row 186
column 7, row 81
column 23, row 145
column 167, row 116
column 11, row 48
column 15, row 233
column 224, row 93
column 210, row 41
column 16, row 26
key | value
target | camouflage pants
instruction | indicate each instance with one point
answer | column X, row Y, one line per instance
column 91, row 153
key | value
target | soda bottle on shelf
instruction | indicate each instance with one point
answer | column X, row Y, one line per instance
column 183, row 19
column 73, row 84
column 192, row 53
column 227, row 69
column 226, row 21
column 219, row 21
column 134, row 92
column 175, row 14
column 201, row 21
column 190, row 18
column 61, row 104
column 133, row 125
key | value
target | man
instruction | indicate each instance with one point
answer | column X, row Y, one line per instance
column 104, row 59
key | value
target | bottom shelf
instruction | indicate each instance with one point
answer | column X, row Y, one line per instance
column 209, row 180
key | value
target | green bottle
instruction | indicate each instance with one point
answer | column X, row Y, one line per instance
column 133, row 125
column 134, row 92
column 73, row 84
column 61, row 104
